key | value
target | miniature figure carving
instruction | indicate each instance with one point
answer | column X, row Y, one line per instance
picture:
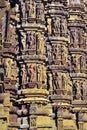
column 63, row 26
column 23, row 74
column 23, row 9
column 56, row 25
column 31, row 73
column 40, row 11
column 31, row 40
column 55, row 81
column 30, row 8
column 23, row 41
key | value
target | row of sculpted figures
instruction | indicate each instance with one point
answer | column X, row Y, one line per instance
column 58, row 27
column 30, row 9
column 32, row 73
column 31, row 41
column 62, row 84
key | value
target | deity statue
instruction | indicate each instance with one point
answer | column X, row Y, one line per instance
column 55, row 53
column 73, row 37
column 40, row 11
column 39, row 74
column 31, row 40
column 82, row 63
column 23, row 74
column 74, row 64
column 30, row 8
column 23, row 9
column 8, row 68
column 64, row 26
column 63, row 55
column 50, row 81
column 56, row 25
column 23, row 41
column 31, row 73
column 55, row 81
column 76, row 90
column 63, row 82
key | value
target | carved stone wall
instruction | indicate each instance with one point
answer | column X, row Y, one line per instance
column 43, row 65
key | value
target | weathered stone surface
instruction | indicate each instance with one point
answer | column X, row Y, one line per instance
column 43, row 64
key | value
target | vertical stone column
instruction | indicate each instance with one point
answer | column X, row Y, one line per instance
column 32, row 72
column 77, row 52
column 58, row 66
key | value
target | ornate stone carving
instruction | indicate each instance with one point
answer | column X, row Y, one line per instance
column 31, row 41
column 23, row 74
column 31, row 73
column 56, row 26
column 23, row 9
column 40, row 11
column 30, row 8
column 63, row 27
column 23, row 41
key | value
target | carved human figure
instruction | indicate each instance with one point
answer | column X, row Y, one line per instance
column 56, row 25
column 30, row 8
column 40, row 42
column 31, row 73
column 76, row 90
column 63, row 82
column 73, row 37
column 39, row 73
column 23, row 40
column 23, row 74
column 63, row 26
column 40, row 11
column 14, row 71
column 82, row 63
column 63, row 55
column 74, row 63
column 55, row 52
column 8, row 68
column 31, row 40
column 23, row 9
column 55, row 81
column 50, row 81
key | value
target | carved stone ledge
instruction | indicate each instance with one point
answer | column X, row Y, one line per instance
column 57, row 67
column 78, row 75
column 32, row 57
column 60, row 97
column 40, row 92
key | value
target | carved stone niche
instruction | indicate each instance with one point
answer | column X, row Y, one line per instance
column 31, row 42
column 56, row 26
column 40, row 13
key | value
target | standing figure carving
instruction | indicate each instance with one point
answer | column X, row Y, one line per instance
column 23, row 41
column 76, row 90
column 74, row 64
column 40, row 11
column 31, row 40
column 63, row 27
column 30, row 8
column 23, row 10
column 31, row 73
column 56, row 25
column 55, row 81
column 23, row 74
